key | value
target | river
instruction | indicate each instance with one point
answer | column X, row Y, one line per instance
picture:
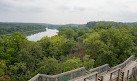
column 38, row 36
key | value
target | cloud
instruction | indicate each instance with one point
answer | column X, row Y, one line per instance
column 19, row 6
column 67, row 11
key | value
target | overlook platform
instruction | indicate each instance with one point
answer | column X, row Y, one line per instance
column 122, row 72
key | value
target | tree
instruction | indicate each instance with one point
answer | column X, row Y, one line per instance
column 7, row 51
column 30, row 54
column 87, row 62
column 68, row 32
column 57, row 46
column 49, row 66
column 3, row 68
column 71, row 64
column 93, row 43
column 111, row 46
column 17, row 40
column 18, row 72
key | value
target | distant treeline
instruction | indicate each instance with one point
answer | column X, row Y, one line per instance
column 7, row 24
column 66, row 25
column 28, row 29
column 51, row 26
column 32, row 28
column 114, row 24
column 93, row 24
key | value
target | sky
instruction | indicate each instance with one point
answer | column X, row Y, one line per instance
column 68, row 11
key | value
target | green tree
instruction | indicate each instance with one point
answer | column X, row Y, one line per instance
column 3, row 69
column 111, row 46
column 18, row 72
column 57, row 46
column 87, row 62
column 17, row 40
column 49, row 66
column 30, row 54
column 72, row 64
column 68, row 32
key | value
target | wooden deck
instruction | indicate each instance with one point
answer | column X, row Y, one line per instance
column 113, row 75
column 128, row 70
column 121, row 72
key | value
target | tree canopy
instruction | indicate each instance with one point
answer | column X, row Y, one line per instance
column 73, row 47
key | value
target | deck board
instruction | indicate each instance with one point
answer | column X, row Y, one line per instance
column 129, row 67
column 115, row 73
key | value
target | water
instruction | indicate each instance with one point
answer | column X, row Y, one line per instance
column 38, row 36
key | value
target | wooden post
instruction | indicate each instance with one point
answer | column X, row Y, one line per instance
column 99, row 70
column 133, row 72
column 127, row 75
column 119, row 75
column 96, row 77
column 37, row 79
column 43, row 79
column 85, row 79
column 56, row 79
column 71, row 75
column 47, row 79
column 136, row 72
column 102, row 78
column 83, row 72
column 110, row 76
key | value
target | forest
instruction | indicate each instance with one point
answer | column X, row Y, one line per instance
column 23, row 28
column 88, row 46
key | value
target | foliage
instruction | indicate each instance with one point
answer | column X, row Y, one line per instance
column 28, row 30
column 56, row 46
column 3, row 68
column 30, row 54
column 87, row 62
column 72, row 64
column 18, row 71
column 111, row 46
column 73, row 47
column 49, row 66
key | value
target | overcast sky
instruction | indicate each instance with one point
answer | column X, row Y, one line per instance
column 68, row 11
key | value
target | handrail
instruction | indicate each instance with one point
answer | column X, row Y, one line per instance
column 71, row 74
column 131, row 58
column 92, row 74
column 34, row 78
column 98, row 69
column 65, row 73
column 115, row 70
column 87, row 71
column 56, row 76
column 84, row 77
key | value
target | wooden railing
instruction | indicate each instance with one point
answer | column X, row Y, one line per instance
column 81, row 71
column 86, row 77
column 60, row 77
column 122, row 65
column 100, row 69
